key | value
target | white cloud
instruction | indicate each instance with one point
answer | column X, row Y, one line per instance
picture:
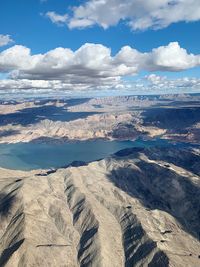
column 171, row 58
column 155, row 84
column 57, row 18
column 25, row 84
column 5, row 40
column 79, row 23
column 91, row 66
column 162, row 83
column 139, row 14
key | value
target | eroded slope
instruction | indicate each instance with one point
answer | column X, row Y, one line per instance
column 137, row 208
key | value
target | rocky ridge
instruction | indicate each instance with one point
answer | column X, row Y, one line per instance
column 139, row 207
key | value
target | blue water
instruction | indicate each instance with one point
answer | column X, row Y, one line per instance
column 28, row 156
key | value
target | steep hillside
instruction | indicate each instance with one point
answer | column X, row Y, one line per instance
column 139, row 207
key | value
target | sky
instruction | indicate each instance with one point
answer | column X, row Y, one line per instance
column 99, row 47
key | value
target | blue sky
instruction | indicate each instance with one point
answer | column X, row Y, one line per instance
column 29, row 25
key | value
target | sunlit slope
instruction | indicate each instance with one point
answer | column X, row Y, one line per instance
column 137, row 208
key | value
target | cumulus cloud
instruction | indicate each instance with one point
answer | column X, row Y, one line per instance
column 171, row 58
column 139, row 14
column 57, row 18
column 30, row 84
column 90, row 66
column 162, row 83
column 94, row 60
column 150, row 84
column 5, row 40
column 57, row 85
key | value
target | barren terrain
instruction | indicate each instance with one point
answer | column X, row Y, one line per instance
column 139, row 207
column 176, row 118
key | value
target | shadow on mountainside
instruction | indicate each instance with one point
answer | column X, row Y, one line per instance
column 8, row 252
column 186, row 159
column 159, row 187
column 6, row 203
column 33, row 115
column 171, row 118
column 5, row 133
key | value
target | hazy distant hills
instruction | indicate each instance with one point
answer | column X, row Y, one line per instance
column 139, row 207
column 175, row 117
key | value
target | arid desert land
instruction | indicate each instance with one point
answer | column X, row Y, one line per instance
column 137, row 207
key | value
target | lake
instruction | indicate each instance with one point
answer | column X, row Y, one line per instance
column 29, row 156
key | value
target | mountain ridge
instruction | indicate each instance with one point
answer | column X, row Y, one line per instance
column 138, row 209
